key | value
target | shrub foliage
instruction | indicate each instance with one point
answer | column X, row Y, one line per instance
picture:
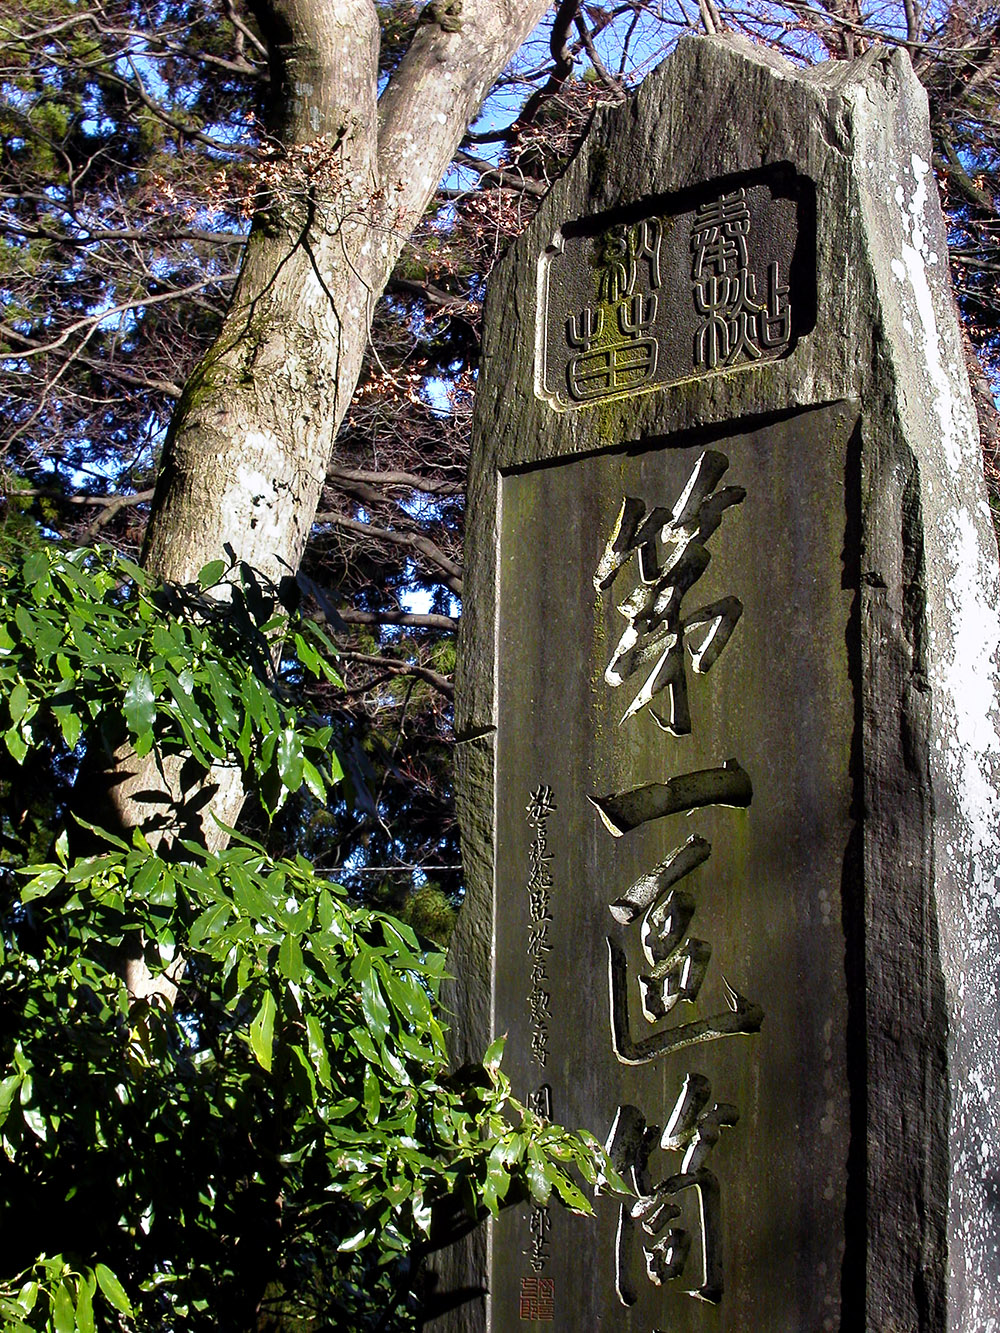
column 278, row 1147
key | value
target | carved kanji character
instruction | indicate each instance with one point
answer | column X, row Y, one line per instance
column 693, row 1129
column 672, row 556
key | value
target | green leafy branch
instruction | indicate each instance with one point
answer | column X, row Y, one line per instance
column 93, row 651
column 310, row 1019
column 294, row 1110
column 53, row 1288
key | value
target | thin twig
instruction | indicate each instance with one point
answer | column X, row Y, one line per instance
column 440, row 683
column 416, row 541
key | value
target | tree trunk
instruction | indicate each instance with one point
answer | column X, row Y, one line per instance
column 249, row 444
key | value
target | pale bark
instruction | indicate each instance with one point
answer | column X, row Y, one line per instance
column 251, row 439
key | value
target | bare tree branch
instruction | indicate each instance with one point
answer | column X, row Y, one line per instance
column 112, row 502
column 93, row 235
column 92, row 321
column 390, row 664
column 416, row 541
column 428, row 292
column 411, row 619
column 562, row 60
column 612, row 84
column 513, row 180
column 410, row 480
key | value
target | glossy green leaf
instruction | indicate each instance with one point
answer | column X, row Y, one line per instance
column 12, row 1324
column 356, row 1241
column 210, row 574
column 408, row 996
column 113, row 1290
column 35, row 1121
column 289, row 758
column 69, row 723
column 16, row 745
column 27, row 1297
column 372, row 1095
column 360, row 1038
column 317, row 1050
column 244, row 741
column 494, row 1054
column 43, row 883
column 571, row 1195
column 140, row 703
column 262, row 1031
column 63, row 1310
column 226, row 715
column 36, row 569
column 18, row 701
column 307, row 655
column 85, row 1310
column 163, row 890
column 374, row 1007
column 24, row 622
column 539, row 1182
column 314, row 780
column 208, row 924
column 8, row 1091
column 290, row 958
column 248, row 895
column 102, row 834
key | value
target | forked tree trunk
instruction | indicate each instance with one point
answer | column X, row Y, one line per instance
column 251, row 439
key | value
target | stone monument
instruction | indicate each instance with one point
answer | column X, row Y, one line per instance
column 727, row 722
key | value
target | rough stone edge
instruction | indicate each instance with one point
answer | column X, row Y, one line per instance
column 467, row 997
column 950, row 615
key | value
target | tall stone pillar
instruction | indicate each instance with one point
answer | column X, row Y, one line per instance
column 727, row 721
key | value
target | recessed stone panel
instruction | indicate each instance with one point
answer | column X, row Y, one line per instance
column 676, row 286
column 673, row 805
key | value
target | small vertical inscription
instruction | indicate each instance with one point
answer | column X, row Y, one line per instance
column 540, row 806
column 673, row 287
column 537, row 1298
column 539, row 1250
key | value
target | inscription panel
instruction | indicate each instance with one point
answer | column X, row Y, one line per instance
column 674, row 730
column 674, row 287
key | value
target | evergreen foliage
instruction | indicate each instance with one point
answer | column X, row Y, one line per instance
column 284, row 1140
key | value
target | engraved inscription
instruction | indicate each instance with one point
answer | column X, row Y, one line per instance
column 692, row 1129
column 734, row 326
column 671, row 288
column 612, row 342
column 672, row 555
column 540, row 806
column 623, row 811
column 678, row 963
column 685, row 875
column 539, row 1226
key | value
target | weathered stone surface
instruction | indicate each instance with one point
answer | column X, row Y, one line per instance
column 850, row 895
